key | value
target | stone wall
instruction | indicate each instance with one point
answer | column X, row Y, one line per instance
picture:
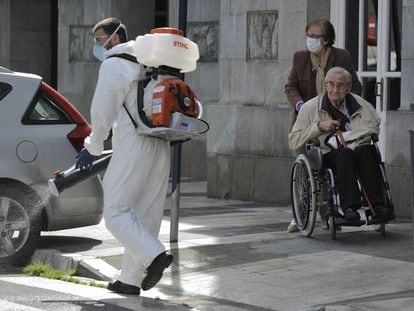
column 398, row 160
column 78, row 70
column 247, row 151
column 203, row 27
column 25, row 39
column 5, row 33
column 397, row 149
column 407, row 56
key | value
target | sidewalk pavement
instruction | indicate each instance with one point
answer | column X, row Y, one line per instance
column 237, row 255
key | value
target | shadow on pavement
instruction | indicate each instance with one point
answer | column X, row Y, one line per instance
column 68, row 243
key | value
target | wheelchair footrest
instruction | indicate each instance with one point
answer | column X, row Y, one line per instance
column 339, row 221
column 379, row 221
column 382, row 220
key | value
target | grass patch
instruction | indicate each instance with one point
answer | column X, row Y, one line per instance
column 46, row 271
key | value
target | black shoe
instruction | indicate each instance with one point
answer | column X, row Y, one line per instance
column 351, row 215
column 383, row 214
column 155, row 270
column 122, row 288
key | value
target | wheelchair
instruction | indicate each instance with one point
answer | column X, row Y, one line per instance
column 313, row 188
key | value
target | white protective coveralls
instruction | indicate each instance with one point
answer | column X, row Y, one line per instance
column 136, row 180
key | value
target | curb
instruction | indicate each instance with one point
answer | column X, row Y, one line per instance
column 88, row 267
column 97, row 269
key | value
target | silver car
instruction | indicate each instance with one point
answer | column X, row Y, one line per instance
column 40, row 133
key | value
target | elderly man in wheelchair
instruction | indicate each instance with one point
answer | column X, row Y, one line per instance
column 337, row 131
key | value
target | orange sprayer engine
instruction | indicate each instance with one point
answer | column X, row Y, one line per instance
column 169, row 96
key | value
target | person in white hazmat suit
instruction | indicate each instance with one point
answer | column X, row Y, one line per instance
column 136, row 180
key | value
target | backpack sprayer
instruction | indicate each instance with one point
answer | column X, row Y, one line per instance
column 167, row 106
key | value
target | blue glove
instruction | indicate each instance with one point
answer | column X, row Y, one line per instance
column 84, row 160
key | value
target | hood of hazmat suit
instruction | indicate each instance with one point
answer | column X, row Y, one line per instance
column 136, row 180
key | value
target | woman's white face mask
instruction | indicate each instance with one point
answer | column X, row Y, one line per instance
column 314, row 45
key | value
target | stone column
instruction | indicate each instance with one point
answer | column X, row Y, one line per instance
column 203, row 27
column 407, row 56
column 5, row 33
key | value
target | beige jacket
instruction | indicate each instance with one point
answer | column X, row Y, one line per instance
column 364, row 122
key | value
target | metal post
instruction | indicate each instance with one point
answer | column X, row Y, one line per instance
column 176, row 169
column 412, row 178
column 175, row 193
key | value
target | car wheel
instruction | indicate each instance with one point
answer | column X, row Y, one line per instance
column 20, row 224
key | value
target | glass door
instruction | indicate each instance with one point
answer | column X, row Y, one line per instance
column 373, row 36
column 371, row 31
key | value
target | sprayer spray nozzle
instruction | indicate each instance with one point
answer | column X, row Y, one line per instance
column 73, row 176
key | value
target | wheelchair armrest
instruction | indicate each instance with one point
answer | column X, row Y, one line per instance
column 311, row 143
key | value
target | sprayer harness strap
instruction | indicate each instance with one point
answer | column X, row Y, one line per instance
column 129, row 114
column 134, row 60
column 126, row 56
column 140, row 96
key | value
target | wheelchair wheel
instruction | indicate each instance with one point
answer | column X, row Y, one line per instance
column 332, row 227
column 303, row 192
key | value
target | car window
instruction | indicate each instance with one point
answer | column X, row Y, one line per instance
column 4, row 89
column 44, row 111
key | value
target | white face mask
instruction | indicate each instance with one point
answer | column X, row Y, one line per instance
column 98, row 51
column 314, row 45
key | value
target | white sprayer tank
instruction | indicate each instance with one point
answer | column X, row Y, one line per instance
column 167, row 47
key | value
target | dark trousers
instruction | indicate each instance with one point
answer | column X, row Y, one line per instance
column 348, row 165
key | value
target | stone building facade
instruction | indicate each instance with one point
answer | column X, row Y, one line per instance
column 246, row 49
column 242, row 88
column 247, row 153
column 55, row 39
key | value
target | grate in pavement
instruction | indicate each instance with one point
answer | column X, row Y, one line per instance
column 114, row 260
column 219, row 209
column 207, row 257
column 190, row 194
column 232, row 231
column 212, row 256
